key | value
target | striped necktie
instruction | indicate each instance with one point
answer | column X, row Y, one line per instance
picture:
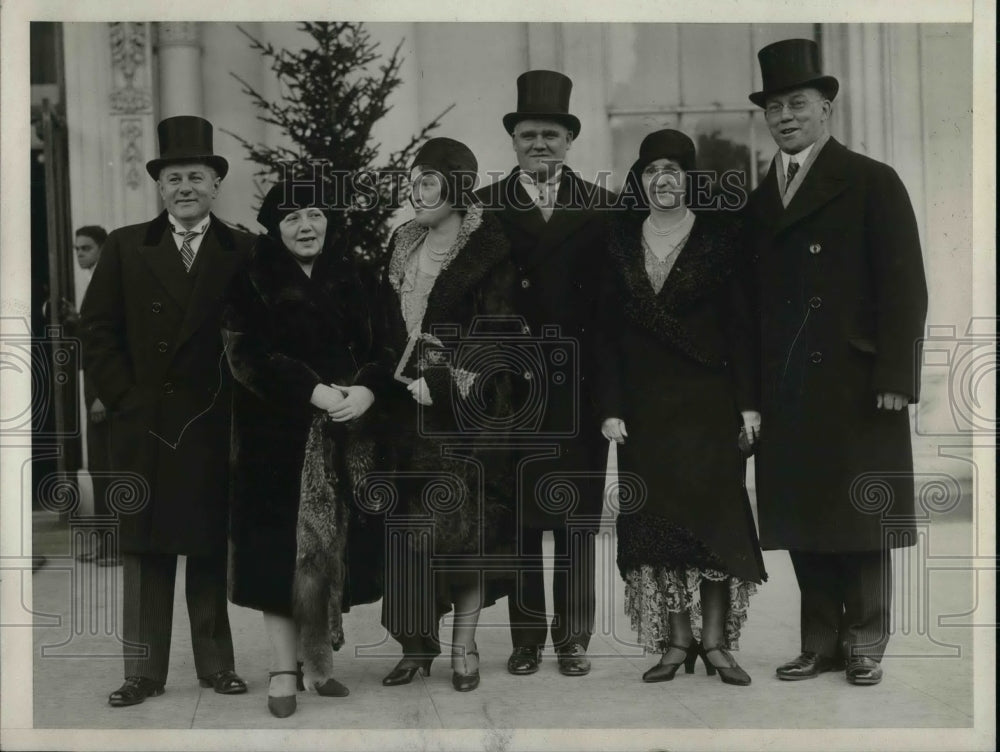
column 793, row 168
column 187, row 252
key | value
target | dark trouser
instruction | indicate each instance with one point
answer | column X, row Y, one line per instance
column 99, row 462
column 149, row 605
column 846, row 602
column 573, row 596
column 412, row 605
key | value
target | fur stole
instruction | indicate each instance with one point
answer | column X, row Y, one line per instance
column 325, row 507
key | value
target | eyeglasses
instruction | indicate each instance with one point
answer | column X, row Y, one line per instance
column 775, row 109
column 671, row 172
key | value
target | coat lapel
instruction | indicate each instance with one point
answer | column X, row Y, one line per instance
column 482, row 249
column 518, row 209
column 825, row 180
column 568, row 216
column 218, row 259
column 160, row 252
column 768, row 208
column 700, row 265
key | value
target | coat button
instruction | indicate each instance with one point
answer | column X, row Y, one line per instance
column 527, row 375
column 816, row 357
column 168, row 388
column 815, row 301
column 815, row 248
column 525, row 329
column 161, row 346
column 157, row 307
column 525, row 283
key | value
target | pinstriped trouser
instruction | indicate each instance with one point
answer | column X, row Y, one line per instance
column 846, row 602
column 149, row 605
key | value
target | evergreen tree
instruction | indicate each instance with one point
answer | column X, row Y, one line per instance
column 332, row 95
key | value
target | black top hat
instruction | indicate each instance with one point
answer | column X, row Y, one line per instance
column 185, row 138
column 792, row 64
column 543, row 95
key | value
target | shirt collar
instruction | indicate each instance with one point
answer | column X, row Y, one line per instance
column 554, row 180
column 800, row 158
column 178, row 228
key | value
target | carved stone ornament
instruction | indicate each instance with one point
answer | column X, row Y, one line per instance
column 130, row 93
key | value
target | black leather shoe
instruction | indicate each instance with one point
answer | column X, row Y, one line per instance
column 662, row 672
column 467, row 681
column 282, row 706
column 863, row 670
column 524, row 660
column 730, row 672
column 809, row 665
column 573, row 660
column 403, row 674
column 225, row 682
column 135, row 690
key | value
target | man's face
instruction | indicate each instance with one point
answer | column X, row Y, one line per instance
column 188, row 191
column 541, row 146
column 797, row 118
column 87, row 251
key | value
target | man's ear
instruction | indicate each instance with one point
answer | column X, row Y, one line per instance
column 569, row 140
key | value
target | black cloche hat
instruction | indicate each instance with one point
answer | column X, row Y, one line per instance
column 792, row 64
column 185, row 138
column 543, row 95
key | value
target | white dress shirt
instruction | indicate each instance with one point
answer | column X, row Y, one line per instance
column 178, row 232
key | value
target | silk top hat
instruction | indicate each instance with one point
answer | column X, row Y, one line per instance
column 792, row 64
column 185, row 138
column 543, row 95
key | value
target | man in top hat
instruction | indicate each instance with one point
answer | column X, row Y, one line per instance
column 842, row 299
column 153, row 350
column 556, row 223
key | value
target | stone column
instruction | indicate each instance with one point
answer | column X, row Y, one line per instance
column 180, row 54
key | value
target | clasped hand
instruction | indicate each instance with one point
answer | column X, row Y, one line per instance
column 421, row 393
column 342, row 403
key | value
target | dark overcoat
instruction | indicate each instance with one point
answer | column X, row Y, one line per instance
column 153, row 351
column 286, row 332
column 559, row 264
column 842, row 300
column 678, row 367
column 461, row 436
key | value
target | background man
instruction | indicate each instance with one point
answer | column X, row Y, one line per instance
column 88, row 242
column 557, row 232
column 153, row 349
column 842, row 301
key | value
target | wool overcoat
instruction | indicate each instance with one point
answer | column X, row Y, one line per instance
column 842, row 299
column 678, row 367
column 153, row 352
column 559, row 264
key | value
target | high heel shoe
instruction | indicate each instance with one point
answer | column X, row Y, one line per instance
column 404, row 674
column 281, row 706
column 731, row 674
column 466, row 682
column 662, row 672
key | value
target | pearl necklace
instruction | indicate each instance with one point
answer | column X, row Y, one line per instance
column 436, row 254
column 653, row 230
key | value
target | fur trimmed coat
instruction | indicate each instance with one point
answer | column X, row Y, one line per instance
column 452, row 477
column 678, row 367
column 299, row 545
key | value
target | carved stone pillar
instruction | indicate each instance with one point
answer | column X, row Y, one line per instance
column 179, row 48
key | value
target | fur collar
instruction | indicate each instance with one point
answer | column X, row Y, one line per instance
column 407, row 235
column 703, row 264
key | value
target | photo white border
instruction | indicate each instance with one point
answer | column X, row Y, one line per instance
column 16, row 644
